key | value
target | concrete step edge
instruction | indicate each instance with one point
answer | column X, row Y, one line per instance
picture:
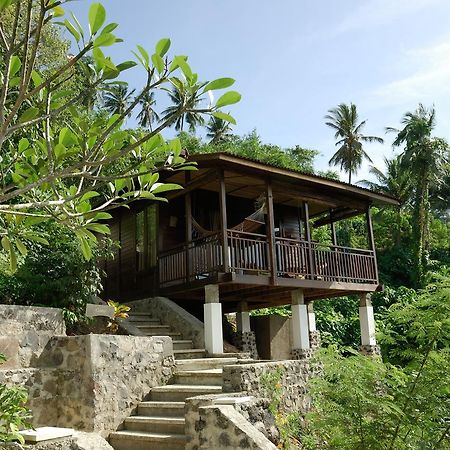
column 147, row 436
column 155, row 419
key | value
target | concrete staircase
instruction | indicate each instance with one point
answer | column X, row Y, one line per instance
column 158, row 423
column 182, row 348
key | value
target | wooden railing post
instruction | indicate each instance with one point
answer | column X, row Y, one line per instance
column 223, row 220
column 371, row 240
column 271, row 231
column 308, row 239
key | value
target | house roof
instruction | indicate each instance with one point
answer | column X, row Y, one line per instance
column 229, row 161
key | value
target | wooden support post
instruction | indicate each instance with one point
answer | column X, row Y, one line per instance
column 308, row 239
column 223, row 220
column 188, row 221
column 333, row 229
column 371, row 240
column 271, row 231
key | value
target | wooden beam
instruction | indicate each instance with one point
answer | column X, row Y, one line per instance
column 341, row 214
column 333, row 229
column 223, row 220
column 271, row 231
column 201, row 180
column 188, row 221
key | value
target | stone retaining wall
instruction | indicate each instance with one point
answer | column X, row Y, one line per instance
column 293, row 378
column 93, row 382
column 252, row 411
column 25, row 331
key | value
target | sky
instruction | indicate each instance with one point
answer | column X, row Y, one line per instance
column 293, row 60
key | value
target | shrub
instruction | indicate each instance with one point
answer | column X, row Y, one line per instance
column 14, row 416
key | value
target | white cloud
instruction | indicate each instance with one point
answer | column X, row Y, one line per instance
column 374, row 13
column 427, row 82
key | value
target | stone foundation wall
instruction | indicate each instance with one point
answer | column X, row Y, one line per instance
column 173, row 315
column 246, row 342
column 249, row 379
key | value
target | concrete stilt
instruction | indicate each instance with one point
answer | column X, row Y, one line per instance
column 300, row 327
column 213, row 320
column 367, row 324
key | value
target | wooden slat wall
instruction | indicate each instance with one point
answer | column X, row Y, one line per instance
column 128, row 252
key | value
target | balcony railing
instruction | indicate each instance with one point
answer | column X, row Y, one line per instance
column 249, row 254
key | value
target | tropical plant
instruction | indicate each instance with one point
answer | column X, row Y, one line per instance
column 118, row 98
column 186, row 98
column 219, row 130
column 348, row 132
column 14, row 415
column 120, row 312
column 74, row 172
column 425, row 157
column 147, row 115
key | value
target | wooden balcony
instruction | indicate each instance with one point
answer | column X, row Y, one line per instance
column 250, row 259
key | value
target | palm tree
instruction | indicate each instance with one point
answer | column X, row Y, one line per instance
column 396, row 182
column 425, row 157
column 344, row 120
column 185, row 98
column 117, row 99
column 147, row 115
column 219, row 130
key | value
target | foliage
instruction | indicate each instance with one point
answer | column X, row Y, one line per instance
column 289, row 424
column 284, row 311
column 344, row 121
column 120, row 312
column 219, row 130
column 14, row 416
column 251, row 146
column 365, row 403
column 56, row 276
column 62, row 164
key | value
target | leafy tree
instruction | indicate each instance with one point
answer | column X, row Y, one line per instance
column 74, row 172
column 344, row 120
column 118, row 98
column 425, row 157
column 219, row 130
column 147, row 114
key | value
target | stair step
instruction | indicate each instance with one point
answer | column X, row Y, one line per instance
column 152, row 326
column 182, row 344
column 171, row 334
column 180, row 392
column 148, row 319
column 157, row 409
column 190, row 353
column 203, row 363
column 155, row 424
column 210, row 377
column 141, row 440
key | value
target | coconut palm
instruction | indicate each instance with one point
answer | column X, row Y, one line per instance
column 219, row 130
column 117, row 99
column 425, row 157
column 349, row 156
column 147, row 115
column 186, row 98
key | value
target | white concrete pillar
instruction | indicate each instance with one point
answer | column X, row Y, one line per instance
column 311, row 318
column 300, row 328
column 212, row 310
column 243, row 318
column 367, row 320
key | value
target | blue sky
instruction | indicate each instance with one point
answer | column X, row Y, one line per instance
column 295, row 59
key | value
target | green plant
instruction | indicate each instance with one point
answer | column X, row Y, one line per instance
column 14, row 415
column 120, row 312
